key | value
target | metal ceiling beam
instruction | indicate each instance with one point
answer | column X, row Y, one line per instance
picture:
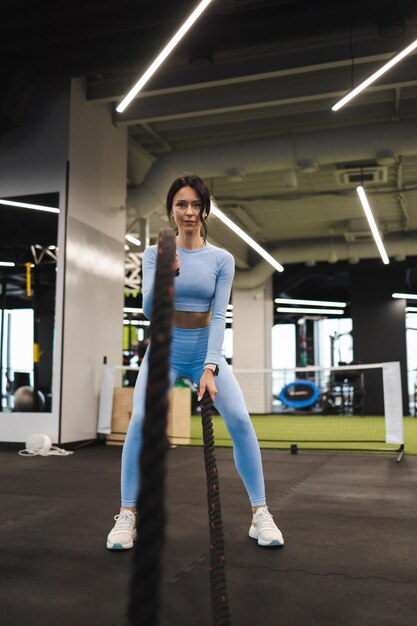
column 150, row 131
column 327, row 88
column 262, row 66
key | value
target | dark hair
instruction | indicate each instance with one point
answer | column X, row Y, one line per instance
column 197, row 183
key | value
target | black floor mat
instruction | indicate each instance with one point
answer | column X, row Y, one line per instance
column 349, row 521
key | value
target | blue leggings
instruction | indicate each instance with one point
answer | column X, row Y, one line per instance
column 188, row 352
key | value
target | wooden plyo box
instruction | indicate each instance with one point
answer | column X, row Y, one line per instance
column 179, row 416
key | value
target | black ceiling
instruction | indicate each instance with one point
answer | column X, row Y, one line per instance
column 21, row 230
column 97, row 37
column 41, row 40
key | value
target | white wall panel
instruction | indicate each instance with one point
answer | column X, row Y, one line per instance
column 33, row 156
column 98, row 165
column 33, row 160
column 93, row 300
column 93, row 324
column 252, row 324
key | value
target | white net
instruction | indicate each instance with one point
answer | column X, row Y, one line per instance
column 328, row 405
column 313, row 407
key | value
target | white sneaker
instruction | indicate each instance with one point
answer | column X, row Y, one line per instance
column 123, row 534
column 264, row 529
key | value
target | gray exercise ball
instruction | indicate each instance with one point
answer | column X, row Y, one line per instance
column 24, row 400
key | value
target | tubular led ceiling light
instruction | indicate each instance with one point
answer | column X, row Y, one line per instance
column 411, row 309
column 25, row 205
column 405, row 296
column 318, row 302
column 241, row 233
column 287, row 309
column 163, row 55
column 133, row 240
column 371, row 79
column 372, row 224
column 7, row 264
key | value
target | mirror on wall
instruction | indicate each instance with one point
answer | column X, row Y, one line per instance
column 28, row 254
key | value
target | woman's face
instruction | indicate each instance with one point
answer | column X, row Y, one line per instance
column 186, row 208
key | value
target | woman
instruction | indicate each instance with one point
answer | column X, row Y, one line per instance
column 202, row 291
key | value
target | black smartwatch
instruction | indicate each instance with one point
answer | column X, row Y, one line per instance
column 214, row 368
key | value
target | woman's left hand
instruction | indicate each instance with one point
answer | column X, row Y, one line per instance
column 207, row 383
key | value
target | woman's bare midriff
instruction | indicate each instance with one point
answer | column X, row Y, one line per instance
column 191, row 319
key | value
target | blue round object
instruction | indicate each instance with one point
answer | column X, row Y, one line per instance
column 311, row 394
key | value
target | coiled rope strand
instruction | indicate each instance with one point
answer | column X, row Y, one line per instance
column 144, row 597
column 144, row 600
column 220, row 606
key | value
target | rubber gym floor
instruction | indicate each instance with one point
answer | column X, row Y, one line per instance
column 349, row 521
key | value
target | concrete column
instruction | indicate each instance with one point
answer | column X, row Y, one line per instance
column 252, row 324
column 94, row 271
column 69, row 147
column 379, row 328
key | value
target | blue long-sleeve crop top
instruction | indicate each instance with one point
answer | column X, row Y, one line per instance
column 204, row 284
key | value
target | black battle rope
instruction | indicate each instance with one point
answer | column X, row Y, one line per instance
column 219, row 602
column 147, row 557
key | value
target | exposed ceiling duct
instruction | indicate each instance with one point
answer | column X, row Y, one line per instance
column 284, row 153
column 329, row 147
column 323, row 251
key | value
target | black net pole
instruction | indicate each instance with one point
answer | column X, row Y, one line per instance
column 35, row 296
column 147, row 556
column 220, row 606
column 2, row 327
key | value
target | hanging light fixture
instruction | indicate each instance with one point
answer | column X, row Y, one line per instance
column 163, row 55
column 26, row 205
column 372, row 224
column 371, row 79
column 241, row 233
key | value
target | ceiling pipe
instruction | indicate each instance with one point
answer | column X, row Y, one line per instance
column 318, row 251
column 325, row 147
